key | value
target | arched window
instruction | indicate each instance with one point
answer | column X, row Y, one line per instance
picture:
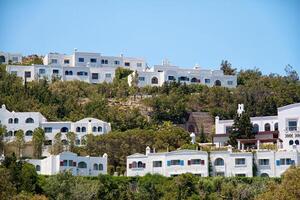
column 194, row 80
column 296, row 142
column 29, row 133
column 70, row 73
column 255, row 128
column 65, row 142
column 100, row 167
column 9, row 133
column 64, row 130
column 77, row 129
column 38, row 168
column 264, row 175
column 2, row 59
column 191, row 128
column 291, row 142
column 15, row 132
column 96, row 167
column 267, row 127
column 66, row 72
column 82, row 165
column 276, row 126
column 140, row 164
column 218, row 83
column 83, row 129
column 219, row 162
column 154, row 80
column 16, row 121
column 94, row 129
column 29, row 120
column 10, row 120
column 134, row 164
column 99, row 129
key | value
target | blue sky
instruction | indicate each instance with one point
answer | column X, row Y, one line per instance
column 256, row 33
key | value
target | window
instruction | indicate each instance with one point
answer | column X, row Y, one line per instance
column 264, row 162
column 276, row 126
column 194, row 80
column 42, row 71
column 141, row 164
column 175, row 162
column 38, row 168
column 218, row 83
column 100, row 167
column 282, row 161
column 55, row 71
column 292, row 124
column 296, row 142
column 66, row 61
column 219, row 162
column 255, row 128
column 83, row 129
column 70, row 163
column 183, row 78
column 171, row 78
column 107, row 75
column 94, row 129
column 64, row 163
column 267, row 127
column 80, row 59
column 10, row 120
column 95, row 76
column 64, row 130
column 48, row 129
column 229, row 82
column 99, row 129
column 240, row 175
column 82, row 165
column 93, row 60
column 117, row 62
column 77, row 129
column 27, row 74
column 104, row 61
column 95, row 167
column 15, row 59
column 53, row 61
column 291, row 142
column 28, row 133
column 16, row 120
column 139, row 64
column 82, row 73
column 228, row 129
column 154, row 80
column 240, row 161
column 29, row 120
column 48, row 142
column 127, row 64
column 196, row 162
column 77, row 141
column 207, row 81
column 157, row 163
column 141, row 78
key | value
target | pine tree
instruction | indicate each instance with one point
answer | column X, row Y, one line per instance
column 57, row 147
column 71, row 137
column 242, row 129
column 203, row 137
column 38, row 139
column 20, row 142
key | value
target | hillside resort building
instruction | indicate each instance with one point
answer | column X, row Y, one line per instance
column 10, row 58
column 96, row 68
column 68, row 161
column 29, row 121
column 282, row 130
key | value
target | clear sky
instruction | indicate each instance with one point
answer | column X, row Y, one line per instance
column 248, row 33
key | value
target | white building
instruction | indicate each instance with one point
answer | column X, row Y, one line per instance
column 160, row 74
column 6, row 58
column 68, row 161
column 283, row 128
column 82, row 66
column 223, row 163
column 84, row 59
column 168, row 163
column 28, row 121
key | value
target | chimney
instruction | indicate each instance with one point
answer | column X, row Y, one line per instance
column 240, row 109
column 148, row 150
